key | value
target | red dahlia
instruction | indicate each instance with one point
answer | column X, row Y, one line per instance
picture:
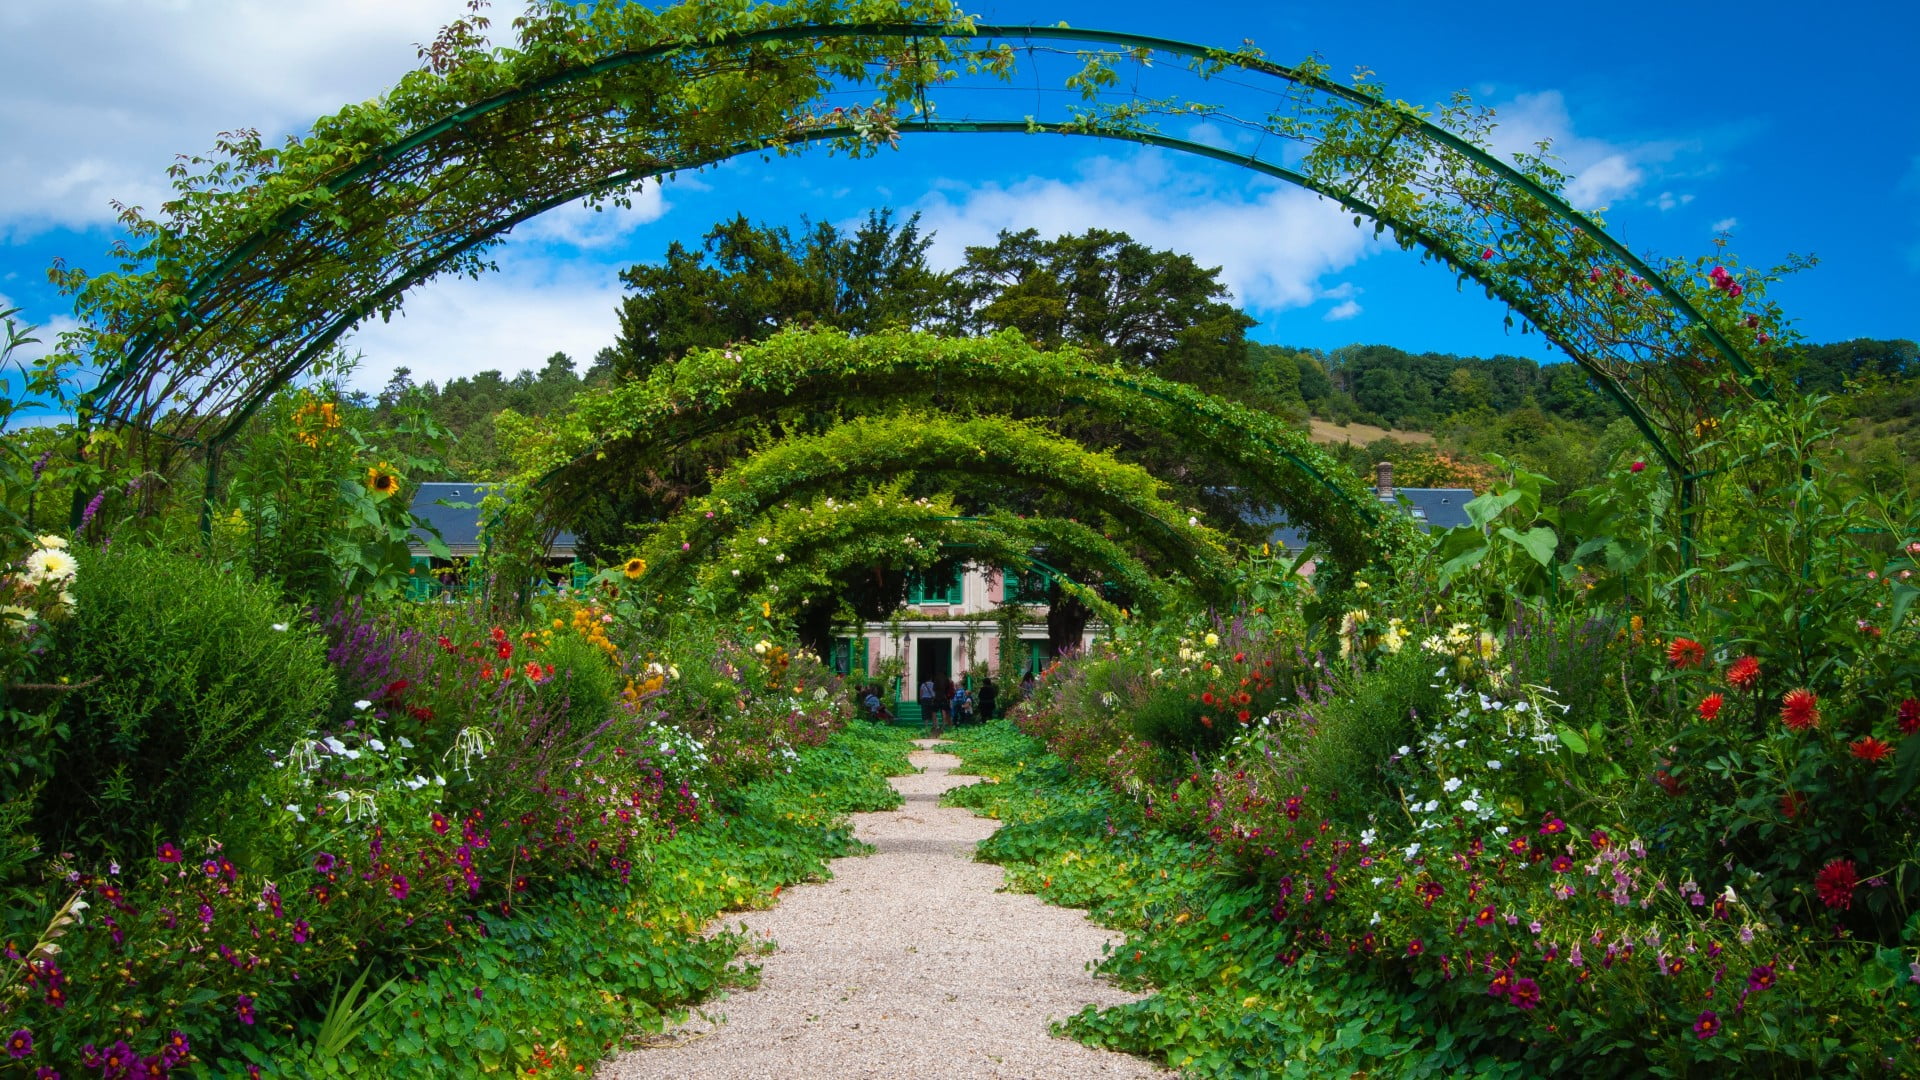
column 1710, row 706
column 1909, row 716
column 1835, row 883
column 1685, row 653
column 1800, row 710
column 1744, row 673
column 1870, row 748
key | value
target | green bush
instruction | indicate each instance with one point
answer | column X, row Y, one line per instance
column 182, row 674
column 582, row 678
column 1359, row 729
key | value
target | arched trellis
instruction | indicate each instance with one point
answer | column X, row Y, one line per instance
column 815, row 543
column 712, row 391
column 870, row 448
column 271, row 255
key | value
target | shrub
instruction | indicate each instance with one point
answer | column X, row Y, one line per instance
column 180, row 672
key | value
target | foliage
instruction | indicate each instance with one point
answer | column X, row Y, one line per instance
column 177, row 670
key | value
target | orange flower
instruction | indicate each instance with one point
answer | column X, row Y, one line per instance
column 1686, row 653
column 1710, row 706
column 1870, row 748
column 1744, row 674
column 1800, row 710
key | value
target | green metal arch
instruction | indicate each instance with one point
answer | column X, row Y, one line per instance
column 1553, row 205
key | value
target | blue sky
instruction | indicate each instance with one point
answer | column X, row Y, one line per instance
column 1780, row 124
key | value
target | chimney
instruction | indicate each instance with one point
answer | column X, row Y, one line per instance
column 1383, row 481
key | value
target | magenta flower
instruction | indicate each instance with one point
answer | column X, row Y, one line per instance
column 324, row 863
column 399, row 887
column 20, row 1044
column 1707, row 1026
column 243, row 1008
column 301, row 931
column 1526, row 993
column 210, row 868
column 169, row 852
column 1760, row 978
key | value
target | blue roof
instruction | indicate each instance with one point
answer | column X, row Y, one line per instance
column 460, row 528
column 1433, row 508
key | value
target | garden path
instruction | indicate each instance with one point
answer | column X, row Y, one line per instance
column 908, row 963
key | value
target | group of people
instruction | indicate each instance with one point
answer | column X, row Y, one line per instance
column 948, row 702
column 945, row 702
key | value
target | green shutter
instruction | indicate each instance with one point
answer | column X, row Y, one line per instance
column 863, row 654
column 957, row 587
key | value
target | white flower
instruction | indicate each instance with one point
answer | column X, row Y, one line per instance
column 362, row 705
column 736, row 573
column 1192, row 521
column 405, row 743
column 1431, row 806
column 334, row 744
column 1501, row 829
column 280, row 626
column 1375, row 921
column 51, row 542
column 1452, row 784
column 1367, row 836
column 78, row 907
column 293, row 808
column 50, row 566
column 416, row 783
column 340, row 796
column 376, row 746
column 1494, row 764
column 1470, row 806
column 1412, row 850
column 1405, row 750
column 762, row 541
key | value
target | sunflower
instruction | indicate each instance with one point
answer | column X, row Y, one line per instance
column 382, row 481
column 634, row 567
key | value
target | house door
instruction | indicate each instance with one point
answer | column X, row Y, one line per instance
column 933, row 659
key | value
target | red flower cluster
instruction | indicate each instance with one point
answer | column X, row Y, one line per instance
column 1723, row 281
column 1744, row 673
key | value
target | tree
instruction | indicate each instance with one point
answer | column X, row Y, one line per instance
column 750, row 280
column 1106, row 292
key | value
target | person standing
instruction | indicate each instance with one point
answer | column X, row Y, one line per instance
column 929, row 703
column 989, row 696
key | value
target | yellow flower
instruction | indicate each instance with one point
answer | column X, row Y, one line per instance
column 381, row 480
column 634, row 567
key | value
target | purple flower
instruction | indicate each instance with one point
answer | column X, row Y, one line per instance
column 324, row 863
column 20, row 1044
column 400, row 888
column 40, row 464
column 206, row 915
column 1707, row 1026
column 176, row 1050
column 1761, row 978
column 46, row 1072
column 243, row 1008
column 93, row 508
column 478, row 993
column 169, row 853
column 301, row 931
column 210, row 868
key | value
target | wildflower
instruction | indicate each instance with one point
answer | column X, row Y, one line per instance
column 1212, row 639
column 1909, row 717
column 439, row 823
column 302, row 930
column 1760, row 978
column 1526, row 993
column 1502, row 984
column 400, row 887
column 1744, row 673
column 1685, row 653
column 1416, row 947
column 1869, row 748
column 169, row 852
column 1835, row 883
column 20, row 1044
column 1800, row 709
column 382, row 482
column 324, row 863
column 50, row 566
column 1562, row 864
column 1710, row 706
column 1707, row 1026
column 1553, row 827
column 634, row 567
column 48, row 540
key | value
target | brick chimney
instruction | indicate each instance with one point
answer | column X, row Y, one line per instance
column 1383, row 481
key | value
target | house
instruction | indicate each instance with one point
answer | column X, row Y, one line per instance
column 1433, row 508
column 453, row 510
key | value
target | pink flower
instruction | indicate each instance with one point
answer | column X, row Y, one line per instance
column 1638, row 466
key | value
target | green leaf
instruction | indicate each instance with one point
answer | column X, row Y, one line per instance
column 1539, row 542
column 1571, row 739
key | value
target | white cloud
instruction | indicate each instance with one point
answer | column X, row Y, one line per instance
column 1667, row 200
column 100, row 95
column 1345, row 309
column 1601, row 171
column 1724, row 224
column 1274, row 244
column 508, row 321
column 585, row 228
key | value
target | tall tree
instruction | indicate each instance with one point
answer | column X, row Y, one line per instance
column 748, row 281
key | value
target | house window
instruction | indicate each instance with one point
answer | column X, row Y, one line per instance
column 1025, row 587
column 938, row 585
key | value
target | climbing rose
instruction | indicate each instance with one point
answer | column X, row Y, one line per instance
column 1684, row 653
column 1710, row 706
column 1744, row 673
column 1638, row 466
column 1869, row 748
column 1909, row 717
column 1835, row 883
column 1800, row 710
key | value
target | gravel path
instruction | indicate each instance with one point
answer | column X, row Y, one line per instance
column 907, row 963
